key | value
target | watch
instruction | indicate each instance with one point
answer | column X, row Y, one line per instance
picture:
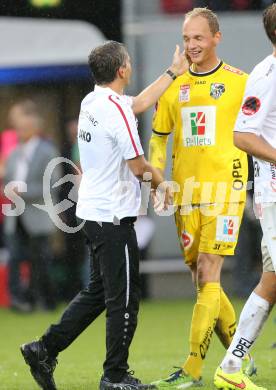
column 171, row 74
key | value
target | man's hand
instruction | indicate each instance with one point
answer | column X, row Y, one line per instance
column 162, row 197
column 180, row 63
column 188, row 58
column 152, row 93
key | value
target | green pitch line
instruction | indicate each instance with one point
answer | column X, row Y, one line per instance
column 161, row 342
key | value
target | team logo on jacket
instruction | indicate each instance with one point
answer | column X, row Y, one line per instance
column 216, row 90
column 199, row 125
column 251, row 105
column 184, row 93
column 227, row 228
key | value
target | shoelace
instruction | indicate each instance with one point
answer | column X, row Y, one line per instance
column 47, row 363
column 175, row 375
column 48, row 366
column 132, row 378
column 179, row 370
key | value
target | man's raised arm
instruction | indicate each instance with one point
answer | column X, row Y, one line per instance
column 151, row 94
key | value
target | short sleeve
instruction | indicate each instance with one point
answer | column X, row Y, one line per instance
column 127, row 99
column 163, row 122
column 257, row 101
column 125, row 129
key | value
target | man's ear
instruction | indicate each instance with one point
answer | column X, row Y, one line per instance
column 218, row 37
column 121, row 72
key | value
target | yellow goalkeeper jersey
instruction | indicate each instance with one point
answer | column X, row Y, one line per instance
column 201, row 110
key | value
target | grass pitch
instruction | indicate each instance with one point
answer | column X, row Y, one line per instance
column 161, row 342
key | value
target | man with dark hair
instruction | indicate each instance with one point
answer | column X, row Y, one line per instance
column 104, row 61
column 269, row 21
column 255, row 134
column 112, row 163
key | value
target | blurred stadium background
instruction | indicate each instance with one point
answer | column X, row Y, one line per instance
column 44, row 46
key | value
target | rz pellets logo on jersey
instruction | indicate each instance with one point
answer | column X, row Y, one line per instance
column 199, row 125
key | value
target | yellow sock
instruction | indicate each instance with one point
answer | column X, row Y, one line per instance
column 204, row 319
column 226, row 324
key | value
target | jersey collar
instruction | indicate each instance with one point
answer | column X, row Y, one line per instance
column 206, row 73
column 106, row 90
